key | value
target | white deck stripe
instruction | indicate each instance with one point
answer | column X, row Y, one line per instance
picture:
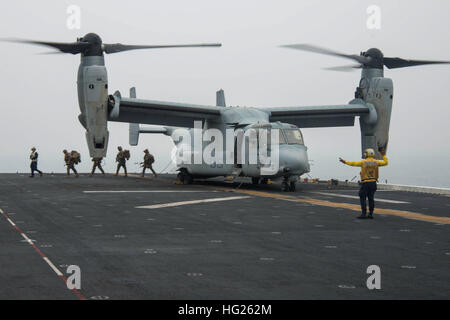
column 59, row 273
column 26, row 238
column 356, row 197
column 143, row 191
column 182, row 203
column 54, row 268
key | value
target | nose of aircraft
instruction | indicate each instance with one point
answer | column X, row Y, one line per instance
column 294, row 158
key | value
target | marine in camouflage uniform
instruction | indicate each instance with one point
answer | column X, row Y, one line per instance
column 97, row 164
column 148, row 163
column 70, row 163
column 121, row 161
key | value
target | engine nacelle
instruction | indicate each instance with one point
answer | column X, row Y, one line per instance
column 93, row 99
column 377, row 92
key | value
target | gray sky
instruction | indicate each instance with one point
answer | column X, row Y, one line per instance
column 39, row 102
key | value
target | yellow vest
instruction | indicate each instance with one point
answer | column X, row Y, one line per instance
column 369, row 170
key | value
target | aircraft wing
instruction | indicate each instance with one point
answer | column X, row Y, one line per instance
column 322, row 116
column 160, row 112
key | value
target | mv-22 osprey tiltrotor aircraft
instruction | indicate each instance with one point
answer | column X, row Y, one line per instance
column 372, row 104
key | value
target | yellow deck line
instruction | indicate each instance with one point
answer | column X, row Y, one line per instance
column 353, row 207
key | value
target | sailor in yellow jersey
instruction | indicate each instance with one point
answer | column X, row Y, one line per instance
column 369, row 177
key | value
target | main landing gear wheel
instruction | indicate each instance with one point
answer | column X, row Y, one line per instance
column 185, row 177
column 287, row 185
column 255, row 180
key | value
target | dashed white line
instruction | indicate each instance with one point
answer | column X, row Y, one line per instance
column 47, row 260
column 59, row 273
column 26, row 238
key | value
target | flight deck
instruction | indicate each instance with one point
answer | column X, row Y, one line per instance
column 148, row 238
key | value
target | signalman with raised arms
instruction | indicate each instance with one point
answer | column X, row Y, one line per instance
column 369, row 177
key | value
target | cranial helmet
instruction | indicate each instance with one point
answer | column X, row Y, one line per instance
column 120, row 148
column 369, row 152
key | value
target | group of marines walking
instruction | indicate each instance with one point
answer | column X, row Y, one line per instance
column 73, row 158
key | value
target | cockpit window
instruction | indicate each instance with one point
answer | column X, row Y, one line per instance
column 294, row 136
column 281, row 139
column 265, row 136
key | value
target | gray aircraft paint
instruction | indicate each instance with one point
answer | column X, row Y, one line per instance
column 92, row 85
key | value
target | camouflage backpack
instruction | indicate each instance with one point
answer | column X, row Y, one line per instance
column 149, row 159
column 126, row 154
column 75, row 155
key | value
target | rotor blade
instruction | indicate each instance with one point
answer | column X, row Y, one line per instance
column 72, row 47
column 315, row 49
column 118, row 47
column 348, row 68
column 393, row 63
column 50, row 53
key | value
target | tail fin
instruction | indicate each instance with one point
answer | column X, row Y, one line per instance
column 134, row 127
column 134, row 134
column 220, row 98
